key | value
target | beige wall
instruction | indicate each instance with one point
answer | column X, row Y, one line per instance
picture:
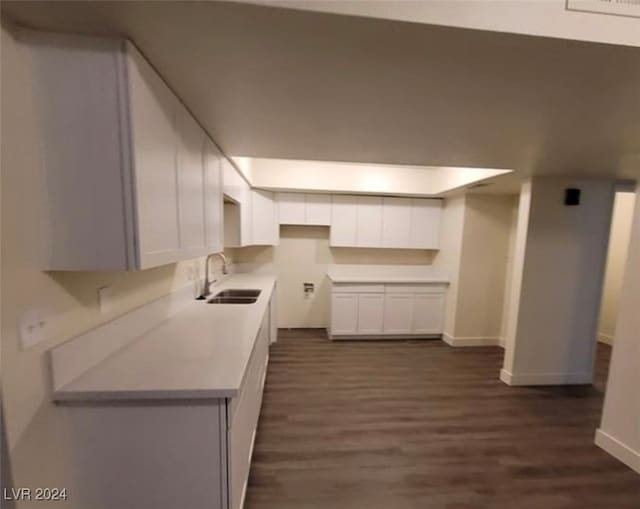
column 449, row 255
column 616, row 260
column 483, row 266
column 475, row 249
column 69, row 299
column 302, row 257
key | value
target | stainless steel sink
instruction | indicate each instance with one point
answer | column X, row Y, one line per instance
column 235, row 296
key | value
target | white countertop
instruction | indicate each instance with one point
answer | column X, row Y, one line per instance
column 409, row 274
column 201, row 352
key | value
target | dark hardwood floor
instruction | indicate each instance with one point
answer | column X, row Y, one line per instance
column 417, row 424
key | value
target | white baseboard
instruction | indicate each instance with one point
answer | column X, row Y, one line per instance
column 605, row 338
column 545, row 378
column 618, row 450
column 471, row 341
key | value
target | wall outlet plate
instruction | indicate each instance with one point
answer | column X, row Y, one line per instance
column 105, row 299
column 33, row 327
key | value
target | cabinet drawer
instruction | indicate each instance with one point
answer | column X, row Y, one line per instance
column 365, row 288
column 257, row 365
column 411, row 288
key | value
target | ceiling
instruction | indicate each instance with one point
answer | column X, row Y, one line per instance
column 282, row 83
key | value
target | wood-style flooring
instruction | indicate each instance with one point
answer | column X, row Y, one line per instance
column 417, row 424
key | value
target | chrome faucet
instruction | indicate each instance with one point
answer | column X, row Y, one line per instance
column 206, row 290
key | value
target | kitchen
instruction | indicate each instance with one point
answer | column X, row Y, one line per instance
column 133, row 393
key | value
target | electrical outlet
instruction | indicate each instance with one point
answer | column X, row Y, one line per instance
column 105, row 299
column 33, row 328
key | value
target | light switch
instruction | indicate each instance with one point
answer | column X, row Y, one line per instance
column 105, row 299
column 33, row 327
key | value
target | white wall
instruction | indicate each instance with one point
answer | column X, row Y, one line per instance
column 616, row 261
column 557, row 284
column 619, row 432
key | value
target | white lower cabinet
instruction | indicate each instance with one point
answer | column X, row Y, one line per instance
column 393, row 310
column 398, row 313
column 344, row 313
column 428, row 315
column 370, row 313
column 178, row 453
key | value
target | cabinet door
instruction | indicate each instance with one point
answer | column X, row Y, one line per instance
column 290, row 208
column 425, row 223
column 369, row 221
column 263, row 219
column 370, row 313
column 232, row 182
column 428, row 314
column 213, row 202
column 398, row 313
column 344, row 313
column 396, row 222
column 191, row 185
column 318, row 209
column 246, row 212
column 343, row 221
column 153, row 130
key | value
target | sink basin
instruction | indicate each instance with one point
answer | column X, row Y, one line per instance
column 232, row 300
column 235, row 296
column 238, row 292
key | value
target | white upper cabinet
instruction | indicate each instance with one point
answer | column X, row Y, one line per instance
column 291, row 208
column 373, row 221
column 154, row 144
column 124, row 173
column 264, row 225
column 191, row 185
column 238, row 218
column 369, row 222
column 304, row 209
column 344, row 222
column 396, row 222
column 426, row 215
column 318, row 209
column 213, row 201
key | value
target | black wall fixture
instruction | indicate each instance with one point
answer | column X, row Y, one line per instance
column 572, row 196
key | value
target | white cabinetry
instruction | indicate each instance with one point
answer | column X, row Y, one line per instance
column 343, row 221
column 291, row 208
column 344, row 313
column 304, row 209
column 213, row 198
column 396, row 222
column 398, row 311
column 428, row 313
column 387, row 310
column 122, row 158
column 371, row 221
column 264, row 226
column 191, row 185
column 425, row 223
column 370, row 313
